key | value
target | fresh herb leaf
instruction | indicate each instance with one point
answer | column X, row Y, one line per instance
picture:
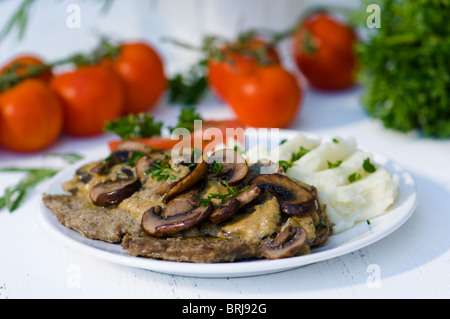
column 135, row 157
column 368, row 166
column 334, row 165
column 232, row 192
column 294, row 157
column 285, row 165
column 216, row 167
column 162, row 171
column 354, row 177
column 70, row 158
column 322, row 224
column 204, row 201
column 302, row 152
column 283, row 141
column 135, row 126
column 186, row 119
column 335, row 141
column 189, row 88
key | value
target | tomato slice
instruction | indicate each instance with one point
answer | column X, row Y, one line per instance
column 207, row 141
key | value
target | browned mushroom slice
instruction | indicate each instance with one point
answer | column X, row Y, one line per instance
column 224, row 212
column 294, row 199
column 183, row 202
column 155, row 225
column 286, row 244
column 115, row 158
column 188, row 181
column 113, row 192
column 234, row 166
column 232, row 205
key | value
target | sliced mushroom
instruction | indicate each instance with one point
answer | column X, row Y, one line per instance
column 115, row 158
column 224, row 212
column 232, row 205
column 155, row 225
column 286, row 244
column 234, row 166
column 188, row 181
column 183, row 202
column 113, row 192
column 293, row 198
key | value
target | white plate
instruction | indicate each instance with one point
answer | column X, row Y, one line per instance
column 361, row 235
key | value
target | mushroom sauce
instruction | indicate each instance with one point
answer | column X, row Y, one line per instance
column 221, row 202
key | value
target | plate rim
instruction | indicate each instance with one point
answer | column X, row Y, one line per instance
column 217, row 270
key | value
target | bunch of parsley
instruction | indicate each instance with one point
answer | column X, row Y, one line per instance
column 405, row 66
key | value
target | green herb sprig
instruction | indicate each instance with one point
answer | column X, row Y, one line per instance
column 405, row 69
column 15, row 195
column 19, row 20
column 135, row 126
column 189, row 88
column 232, row 192
column 161, row 171
column 186, row 119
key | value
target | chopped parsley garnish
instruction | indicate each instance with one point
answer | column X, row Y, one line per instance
column 354, row 177
column 368, row 166
column 161, row 171
column 322, row 224
column 295, row 157
column 335, row 141
column 135, row 158
column 216, row 167
column 232, row 192
column 334, row 165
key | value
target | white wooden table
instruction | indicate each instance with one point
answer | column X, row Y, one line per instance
column 412, row 262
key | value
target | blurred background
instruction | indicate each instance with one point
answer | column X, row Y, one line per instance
column 48, row 34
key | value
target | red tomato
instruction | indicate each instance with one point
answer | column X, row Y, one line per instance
column 91, row 96
column 25, row 61
column 31, row 117
column 323, row 51
column 269, row 97
column 141, row 70
column 162, row 143
column 222, row 72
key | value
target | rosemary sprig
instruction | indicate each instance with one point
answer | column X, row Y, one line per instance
column 19, row 19
column 14, row 196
